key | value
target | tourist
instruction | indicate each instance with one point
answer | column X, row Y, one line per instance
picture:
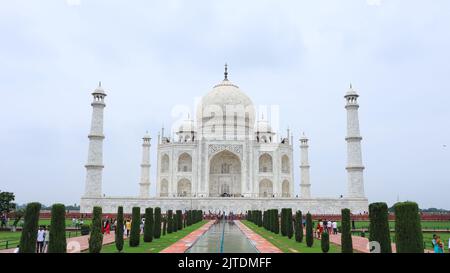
column 46, row 239
column 329, row 227
column 40, row 239
column 128, row 227
column 107, row 227
column 74, row 222
column 16, row 250
column 439, row 246
column 334, row 224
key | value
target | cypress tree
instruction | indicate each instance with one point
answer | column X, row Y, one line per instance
column 283, row 222
column 289, row 230
column 135, row 232
column 276, row 222
column 298, row 227
column 325, row 242
column 379, row 226
column 169, row 221
column 57, row 242
column 148, row 225
column 30, row 228
column 157, row 223
column 96, row 236
column 309, row 231
column 346, row 236
column 408, row 229
column 164, row 225
column 119, row 229
column 174, row 222
column 180, row 219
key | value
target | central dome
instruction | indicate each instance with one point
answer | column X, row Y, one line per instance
column 227, row 109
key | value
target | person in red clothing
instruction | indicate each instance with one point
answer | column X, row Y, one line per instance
column 108, row 227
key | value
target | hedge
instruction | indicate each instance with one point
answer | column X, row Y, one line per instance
column 30, row 228
column 57, row 242
column 148, row 225
column 169, row 221
column 135, row 232
column 96, row 236
column 346, row 236
column 157, row 224
column 325, row 242
column 309, row 231
column 408, row 229
column 298, row 227
column 379, row 226
column 119, row 229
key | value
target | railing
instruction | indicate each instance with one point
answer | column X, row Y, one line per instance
column 12, row 243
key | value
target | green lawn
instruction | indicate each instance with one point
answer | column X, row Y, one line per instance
column 13, row 238
column 427, row 237
column 289, row 245
column 46, row 222
column 157, row 245
column 425, row 224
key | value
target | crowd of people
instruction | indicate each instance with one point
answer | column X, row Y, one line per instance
column 327, row 226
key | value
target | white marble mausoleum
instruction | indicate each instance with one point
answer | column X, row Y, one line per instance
column 226, row 159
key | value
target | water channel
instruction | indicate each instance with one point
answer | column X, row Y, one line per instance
column 223, row 237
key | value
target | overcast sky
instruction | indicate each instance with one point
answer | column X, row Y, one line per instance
column 154, row 56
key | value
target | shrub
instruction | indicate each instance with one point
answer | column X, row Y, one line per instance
column 379, row 226
column 157, row 224
column 85, row 229
column 119, row 229
column 325, row 242
column 179, row 214
column 57, row 242
column 148, row 225
column 276, row 222
column 96, row 237
column 135, row 232
column 346, row 236
column 289, row 230
column 408, row 230
column 283, row 222
column 169, row 221
column 298, row 227
column 164, row 225
column 30, row 228
column 309, row 231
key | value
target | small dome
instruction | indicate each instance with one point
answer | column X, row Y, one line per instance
column 351, row 92
column 99, row 90
column 263, row 126
column 187, row 126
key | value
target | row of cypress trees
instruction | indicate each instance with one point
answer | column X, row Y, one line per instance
column 286, row 223
column 57, row 240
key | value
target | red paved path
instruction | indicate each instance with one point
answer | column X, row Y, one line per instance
column 187, row 241
column 261, row 244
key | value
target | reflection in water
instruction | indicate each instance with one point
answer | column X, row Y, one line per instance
column 224, row 236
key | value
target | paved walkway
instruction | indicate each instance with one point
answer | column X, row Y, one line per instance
column 261, row 244
column 186, row 242
column 360, row 244
column 77, row 244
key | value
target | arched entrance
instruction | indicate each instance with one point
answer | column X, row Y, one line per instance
column 225, row 175
column 184, row 188
column 265, row 188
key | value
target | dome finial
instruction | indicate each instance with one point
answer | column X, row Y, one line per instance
column 100, row 84
column 226, row 72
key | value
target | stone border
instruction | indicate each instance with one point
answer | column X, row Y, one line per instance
column 262, row 245
column 182, row 245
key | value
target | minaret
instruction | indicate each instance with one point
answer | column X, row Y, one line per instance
column 94, row 165
column 305, row 185
column 145, row 168
column 354, row 158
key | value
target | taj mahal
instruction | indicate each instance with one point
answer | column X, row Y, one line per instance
column 225, row 159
